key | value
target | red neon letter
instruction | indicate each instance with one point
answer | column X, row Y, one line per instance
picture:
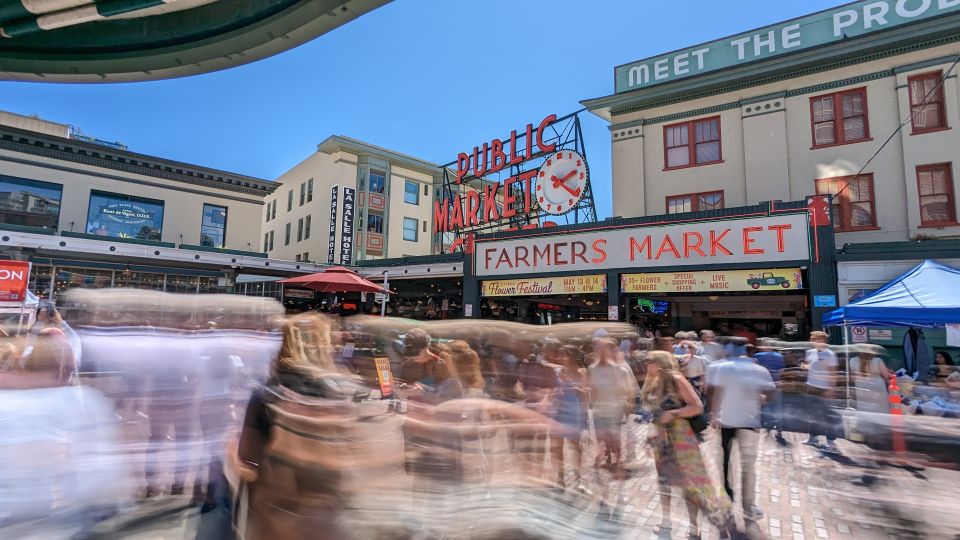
column 578, row 251
column 463, row 166
column 486, row 257
column 715, row 244
column 456, row 219
column 527, row 197
column 635, row 247
column 490, row 212
column 546, row 148
column 601, row 253
column 509, row 200
column 779, row 229
column 514, row 158
column 473, row 207
column 441, row 216
column 688, row 247
column 749, row 240
column 667, row 241
column 518, row 257
column 497, row 158
column 479, row 171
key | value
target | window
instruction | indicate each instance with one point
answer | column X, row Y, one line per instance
column 305, row 257
column 213, row 228
column 29, row 203
column 290, row 200
column 680, row 151
column 300, row 230
column 266, row 242
column 840, row 118
column 856, row 294
column 286, row 235
column 695, row 202
column 310, row 190
column 426, row 190
column 271, row 241
column 306, row 228
column 124, row 216
column 410, row 229
column 297, row 257
column 273, row 210
column 303, row 193
column 375, row 223
column 933, row 115
column 378, row 181
column 411, row 194
column 853, row 202
column 935, row 185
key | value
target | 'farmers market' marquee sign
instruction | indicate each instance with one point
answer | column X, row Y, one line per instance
column 731, row 241
column 829, row 26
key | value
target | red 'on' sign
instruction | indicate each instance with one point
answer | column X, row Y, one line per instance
column 14, row 276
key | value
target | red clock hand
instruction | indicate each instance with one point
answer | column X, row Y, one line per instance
column 558, row 181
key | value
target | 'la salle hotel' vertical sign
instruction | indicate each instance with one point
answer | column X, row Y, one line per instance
column 814, row 30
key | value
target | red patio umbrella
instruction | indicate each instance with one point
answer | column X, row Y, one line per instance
column 334, row 280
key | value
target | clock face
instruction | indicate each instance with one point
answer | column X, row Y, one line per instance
column 561, row 182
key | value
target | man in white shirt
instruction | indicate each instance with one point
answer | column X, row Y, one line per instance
column 822, row 366
column 737, row 390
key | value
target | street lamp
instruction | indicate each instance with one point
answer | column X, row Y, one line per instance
column 386, row 294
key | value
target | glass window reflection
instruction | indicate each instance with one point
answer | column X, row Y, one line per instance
column 123, row 216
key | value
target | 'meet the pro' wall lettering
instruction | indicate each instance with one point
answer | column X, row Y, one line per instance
column 749, row 240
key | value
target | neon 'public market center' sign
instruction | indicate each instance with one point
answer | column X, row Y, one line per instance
column 476, row 207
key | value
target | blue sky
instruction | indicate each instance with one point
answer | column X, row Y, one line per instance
column 428, row 78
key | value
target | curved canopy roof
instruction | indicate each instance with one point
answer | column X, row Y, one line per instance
column 926, row 296
column 137, row 40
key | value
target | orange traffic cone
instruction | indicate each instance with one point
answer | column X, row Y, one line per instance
column 896, row 411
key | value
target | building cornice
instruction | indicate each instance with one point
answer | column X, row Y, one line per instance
column 335, row 143
column 813, row 89
column 59, row 148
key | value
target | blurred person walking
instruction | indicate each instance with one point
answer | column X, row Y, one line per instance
column 693, row 366
column 295, row 453
column 822, row 373
column 772, row 412
column 570, row 413
column 613, row 391
column 709, row 348
column 60, row 448
column 672, row 401
column 870, row 378
column 737, row 390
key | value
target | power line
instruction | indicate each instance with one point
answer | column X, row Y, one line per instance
column 913, row 113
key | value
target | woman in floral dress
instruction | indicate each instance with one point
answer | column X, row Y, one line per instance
column 671, row 400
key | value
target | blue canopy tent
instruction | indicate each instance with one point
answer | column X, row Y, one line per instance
column 926, row 297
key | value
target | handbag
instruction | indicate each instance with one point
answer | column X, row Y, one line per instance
column 698, row 423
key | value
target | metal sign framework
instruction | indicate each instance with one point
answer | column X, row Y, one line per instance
column 566, row 134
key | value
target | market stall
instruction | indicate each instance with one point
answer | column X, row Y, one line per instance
column 928, row 296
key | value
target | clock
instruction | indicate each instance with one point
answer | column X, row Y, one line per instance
column 561, row 182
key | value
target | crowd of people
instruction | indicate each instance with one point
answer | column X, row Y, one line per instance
column 289, row 427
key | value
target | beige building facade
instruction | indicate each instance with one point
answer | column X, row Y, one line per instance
column 860, row 102
column 788, row 127
column 95, row 215
column 382, row 208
